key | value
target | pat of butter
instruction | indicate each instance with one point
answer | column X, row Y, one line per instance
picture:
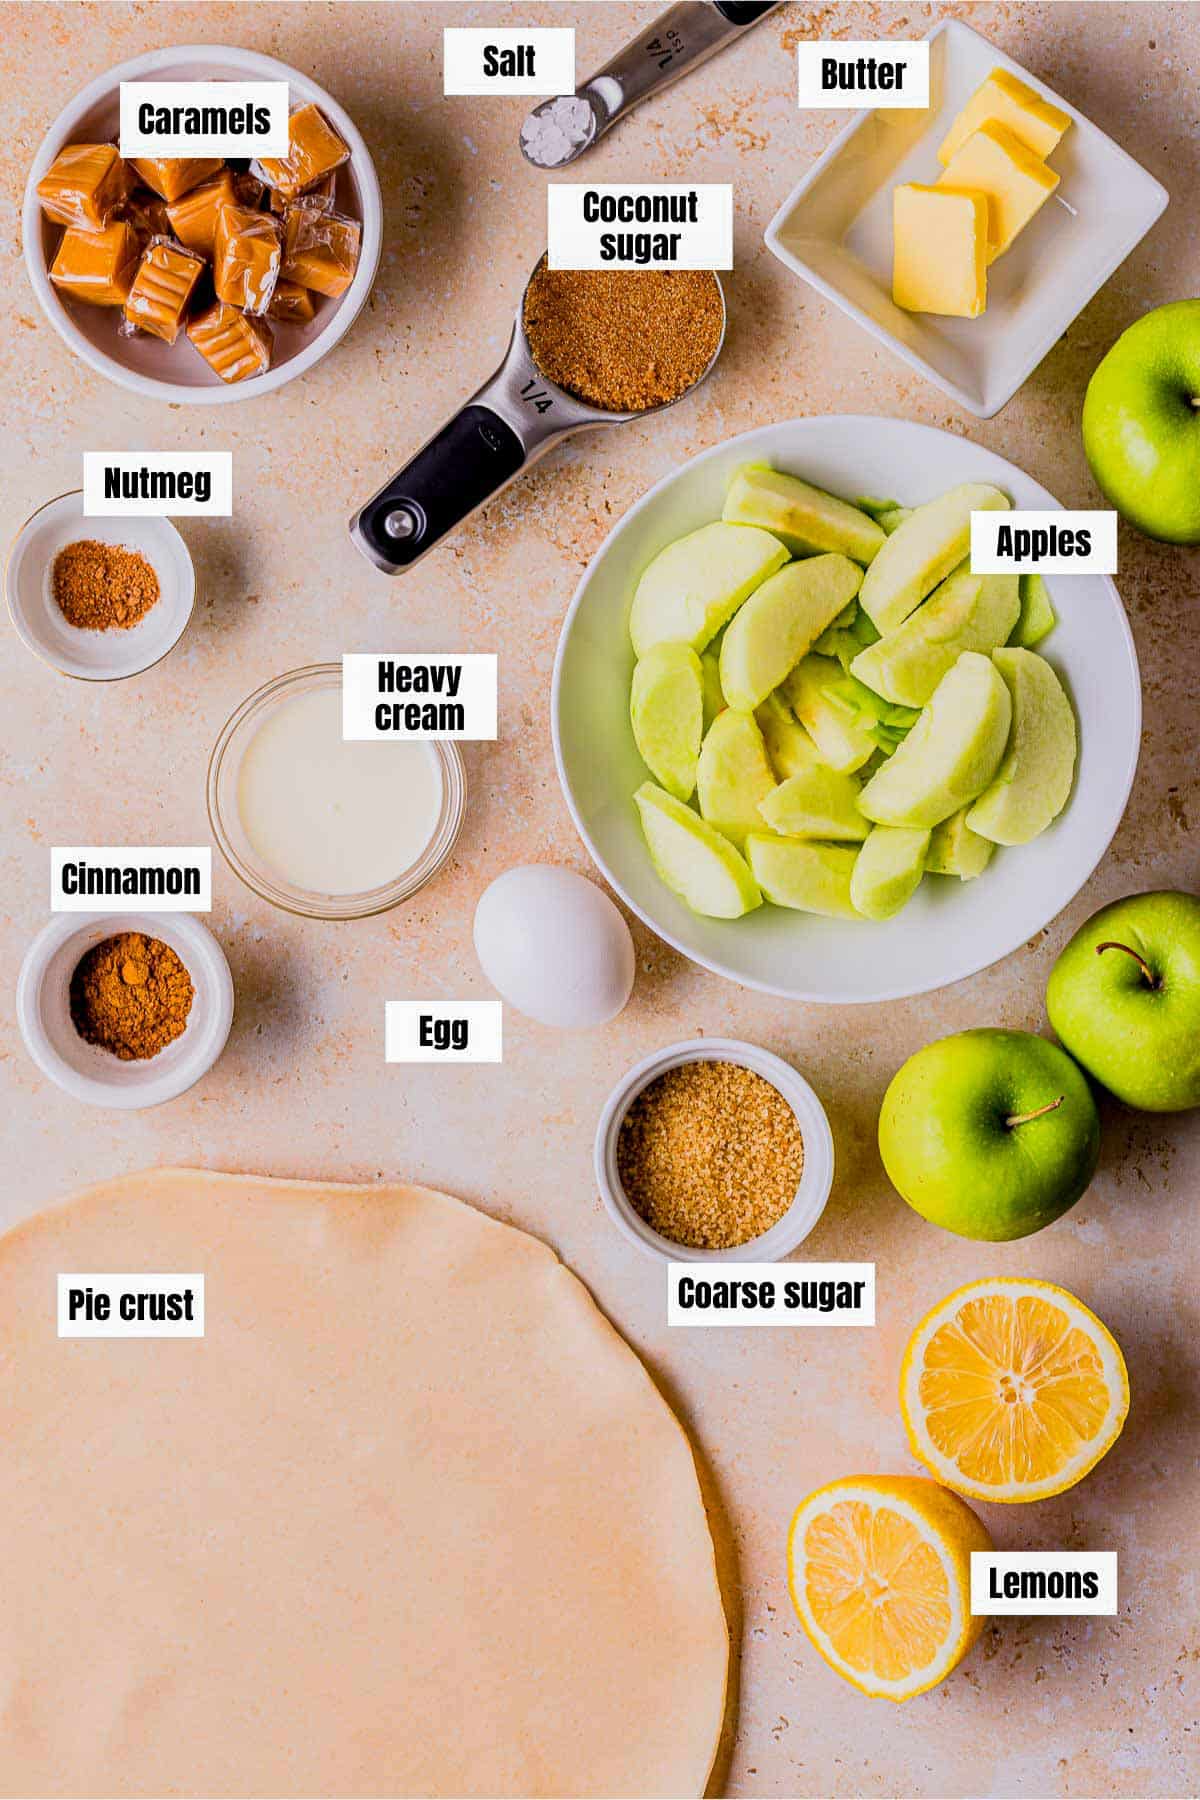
column 995, row 162
column 1007, row 100
column 941, row 250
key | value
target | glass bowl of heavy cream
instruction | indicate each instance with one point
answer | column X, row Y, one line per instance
column 321, row 825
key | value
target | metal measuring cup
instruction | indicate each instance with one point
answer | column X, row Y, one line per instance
column 516, row 416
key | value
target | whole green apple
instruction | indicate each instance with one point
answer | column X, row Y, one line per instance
column 1124, row 997
column 990, row 1133
column 1141, row 423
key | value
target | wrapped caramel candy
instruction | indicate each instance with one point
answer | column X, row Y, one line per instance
column 147, row 213
column 97, row 266
column 174, row 176
column 292, row 304
column 247, row 253
column 84, row 186
column 324, row 192
column 161, row 290
column 193, row 220
column 315, row 150
column 231, row 343
column 320, row 249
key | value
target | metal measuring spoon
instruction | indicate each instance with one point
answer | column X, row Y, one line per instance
column 559, row 130
column 516, row 416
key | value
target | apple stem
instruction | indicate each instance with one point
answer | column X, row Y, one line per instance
column 1151, row 978
column 1024, row 1118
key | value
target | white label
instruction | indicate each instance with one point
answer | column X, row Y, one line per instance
column 1043, row 543
column 122, row 878
column 639, row 225
column 204, row 118
column 158, row 483
column 861, row 72
column 1032, row 1582
column 508, row 60
column 130, row 1306
column 436, row 1031
column 757, row 1294
column 419, row 695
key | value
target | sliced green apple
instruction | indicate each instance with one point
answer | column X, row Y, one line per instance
column 1037, row 618
column 817, row 803
column 712, row 699
column 809, row 877
column 892, row 517
column 888, row 870
column 695, row 861
column 841, row 741
column 951, row 753
column 1031, row 785
column 666, row 709
column 733, row 774
column 954, row 849
column 697, row 583
column 966, row 612
column 805, row 518
column 922, row 551
column 779, row 623
column 789, row 748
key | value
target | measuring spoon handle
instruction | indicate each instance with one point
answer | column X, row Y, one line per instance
column 678, row 40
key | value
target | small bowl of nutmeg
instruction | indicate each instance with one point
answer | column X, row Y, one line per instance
column 202, row 279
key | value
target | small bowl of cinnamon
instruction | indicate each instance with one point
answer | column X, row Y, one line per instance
column 98, row 599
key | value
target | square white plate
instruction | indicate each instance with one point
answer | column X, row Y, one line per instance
column 835, row 230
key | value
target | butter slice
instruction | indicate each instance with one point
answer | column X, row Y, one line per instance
column 995, row 162
column 940, row 250
column 1005, row 99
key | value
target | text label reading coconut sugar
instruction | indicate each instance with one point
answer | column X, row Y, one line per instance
column 1043, row 543
column 1033, row 1582
column 758, row 1294
column 204, row 118
column 124, row 878
column 437, row 1031
column 509, row 60
column 840, row 74
column 130, row 1306
column 157, row 483
column 630, row 225
column 419, row 695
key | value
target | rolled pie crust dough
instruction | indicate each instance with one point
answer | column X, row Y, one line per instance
column 410, row 1519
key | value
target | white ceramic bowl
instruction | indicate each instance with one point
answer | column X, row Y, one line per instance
column 815, row 1182
column 950, row 928
column 835, row 230
column 176, row 372
column 96, row 655
column 89, row 1073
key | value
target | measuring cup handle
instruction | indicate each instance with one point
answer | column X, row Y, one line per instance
column 460, row 467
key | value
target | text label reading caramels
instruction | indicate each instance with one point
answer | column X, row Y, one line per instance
column 629, row 225
column 1044, row 543
column 840, row 74
column 140, row 483
column 206, row 118
column 1031, row 1582
column 419, row 695
column 103, row 1305
column 757, row 1294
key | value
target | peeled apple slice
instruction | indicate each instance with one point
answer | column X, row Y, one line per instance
column 1037, row 618
column 779, row 624
column 807, row 519
column 789, row 748
column 805, row 876
column 697, row 583
column 888, row 870
column 922, row 551
column 879, row 1568
column 954, row 849
column 966, row 612
column 1033, row 782
column 693, row 859
column 1012, row 1390
column 733, row 775
column 833, row 726
column 666, row 709
column 816, row 803
column 950, row 754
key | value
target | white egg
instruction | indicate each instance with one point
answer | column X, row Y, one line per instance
column 554, row 946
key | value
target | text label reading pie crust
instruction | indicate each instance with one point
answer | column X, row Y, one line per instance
column 758, row 1294
column 103, row 1305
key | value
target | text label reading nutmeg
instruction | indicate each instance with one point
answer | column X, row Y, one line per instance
column 630, row 225
column 159, row 483
column 104, row 1305
column 758, row 1294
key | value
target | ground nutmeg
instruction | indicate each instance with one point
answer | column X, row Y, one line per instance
column 103, row 587
column 130, row 994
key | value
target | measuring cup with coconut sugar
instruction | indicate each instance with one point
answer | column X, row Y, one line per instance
column 516, row 416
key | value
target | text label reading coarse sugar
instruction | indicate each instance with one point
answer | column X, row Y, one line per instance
column 104, row 1305
column 483, row 59
column 840, row 74
column 763, row 1294
column 1035, row 1582
column 204, row 118
column 631, row 225
column 419, row 695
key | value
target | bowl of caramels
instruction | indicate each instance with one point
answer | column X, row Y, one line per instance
column 202, row 279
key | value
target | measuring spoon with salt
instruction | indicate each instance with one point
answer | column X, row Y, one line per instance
column 514, row 418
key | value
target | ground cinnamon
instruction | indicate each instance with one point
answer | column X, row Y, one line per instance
column 103, row 587
column 623, row 339
column 131, row 995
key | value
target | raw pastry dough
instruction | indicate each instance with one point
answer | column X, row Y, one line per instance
column 410, row 1519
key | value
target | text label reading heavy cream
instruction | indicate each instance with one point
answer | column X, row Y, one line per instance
column 130, row 1306
column 628, row 225
column 204, row 118
column 771, row 1294
column 840, row 74
column 1044, row 543
column 419, row 695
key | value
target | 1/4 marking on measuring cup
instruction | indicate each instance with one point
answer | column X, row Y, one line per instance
column 537, row 397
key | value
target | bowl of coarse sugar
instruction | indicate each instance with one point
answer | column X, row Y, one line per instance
column 714, row 1150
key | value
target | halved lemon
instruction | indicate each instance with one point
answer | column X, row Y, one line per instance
column 879, row 1568
column 1012, row 1390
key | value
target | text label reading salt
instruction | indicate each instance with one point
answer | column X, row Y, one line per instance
column 508, row 60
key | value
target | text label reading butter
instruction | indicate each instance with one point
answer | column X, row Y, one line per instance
column 859, row 72
column 204, row 118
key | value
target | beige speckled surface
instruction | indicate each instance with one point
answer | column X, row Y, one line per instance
column 1052, row 1706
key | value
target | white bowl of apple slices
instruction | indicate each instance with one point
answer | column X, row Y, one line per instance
column 809, row 747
